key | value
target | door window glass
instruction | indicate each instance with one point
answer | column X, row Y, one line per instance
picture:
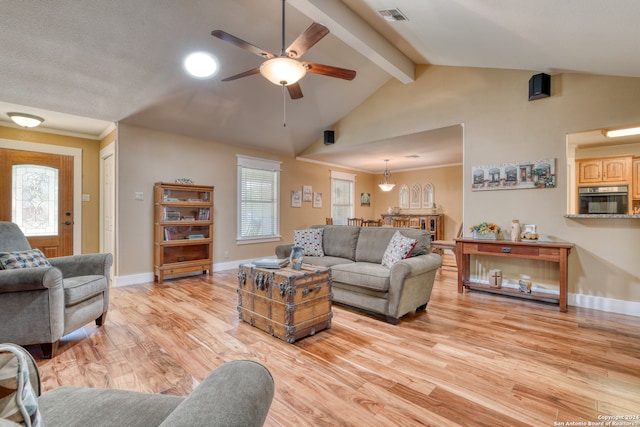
column 35, row 199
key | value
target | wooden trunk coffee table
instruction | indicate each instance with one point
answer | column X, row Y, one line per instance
column 288, row 304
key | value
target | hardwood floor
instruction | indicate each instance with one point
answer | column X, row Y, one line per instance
column 471, row 359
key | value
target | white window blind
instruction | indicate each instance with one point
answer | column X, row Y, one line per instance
column 258, row 201
column 342, row 196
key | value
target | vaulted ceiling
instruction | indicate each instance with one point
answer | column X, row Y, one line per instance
column 83, row 65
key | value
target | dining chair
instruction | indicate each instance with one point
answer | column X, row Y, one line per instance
column 354, row 221
column 401, row 222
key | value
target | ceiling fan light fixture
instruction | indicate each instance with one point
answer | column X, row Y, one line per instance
column 283, row 71
column 200, row 65
column 25, row 120
column 386, row 185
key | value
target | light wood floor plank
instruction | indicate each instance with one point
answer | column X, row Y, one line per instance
column 471, row 359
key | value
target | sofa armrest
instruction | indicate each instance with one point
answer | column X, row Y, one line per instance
column 236, row 394
column 411, row 283
column 283, row 251
column 83, row 265
column 30, row 279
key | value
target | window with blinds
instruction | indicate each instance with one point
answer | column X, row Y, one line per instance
column 342, row 196
column 258, row 201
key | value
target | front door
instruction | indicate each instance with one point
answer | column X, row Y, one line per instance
column 37, row 194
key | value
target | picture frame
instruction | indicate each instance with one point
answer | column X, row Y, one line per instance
column 317, row 200
column 527, row 174
column 307, row 193
column 365, row 199
column 296, row 198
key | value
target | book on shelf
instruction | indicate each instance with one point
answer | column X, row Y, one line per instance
column 271, row 262
column 202, row 214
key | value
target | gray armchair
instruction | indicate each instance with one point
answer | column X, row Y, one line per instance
column 236, row 394
column 40, row 305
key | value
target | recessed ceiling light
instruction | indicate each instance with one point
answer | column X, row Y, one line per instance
column 200, row 65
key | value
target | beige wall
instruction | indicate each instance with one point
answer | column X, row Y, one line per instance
column 90, row 176
column 146, row 157
column 501, row 125
column 447, row 184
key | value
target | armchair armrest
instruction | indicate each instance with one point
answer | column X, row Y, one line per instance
column 83, row 265
column 29, row 279
column 236, row 394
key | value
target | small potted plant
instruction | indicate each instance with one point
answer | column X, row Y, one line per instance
column 485, row 231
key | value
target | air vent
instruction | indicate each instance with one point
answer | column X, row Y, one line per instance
column 392, row 15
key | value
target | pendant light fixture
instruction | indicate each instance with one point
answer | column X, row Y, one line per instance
column 386, row 185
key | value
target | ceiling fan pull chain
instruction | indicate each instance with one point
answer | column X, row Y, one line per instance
column 284, row 107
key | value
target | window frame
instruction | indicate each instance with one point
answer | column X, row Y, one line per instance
column 246, row 162
column 351, row 178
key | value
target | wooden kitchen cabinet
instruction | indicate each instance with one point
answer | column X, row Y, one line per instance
column 635, row 184
column 609, row 170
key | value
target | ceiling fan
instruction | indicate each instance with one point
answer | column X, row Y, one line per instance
column 285, row 69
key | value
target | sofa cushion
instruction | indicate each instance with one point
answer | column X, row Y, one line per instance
column 340, row 240
column 81, row 288
column 372, row 242
column 310, row 240
column 18, row 399
column 362, row 274
column 325, row 261
column 423, row 237
column 398, row 249
column 23, row 259
column 71, row 406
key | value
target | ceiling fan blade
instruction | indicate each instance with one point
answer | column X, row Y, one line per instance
column 328, row 70
column 294, row 91
column 308, row 38
column 244, row 74
column 242, row 44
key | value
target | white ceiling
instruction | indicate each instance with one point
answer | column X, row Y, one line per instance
column 84, row 65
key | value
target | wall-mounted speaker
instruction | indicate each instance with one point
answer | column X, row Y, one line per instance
column 329, row 137
column 539, row 86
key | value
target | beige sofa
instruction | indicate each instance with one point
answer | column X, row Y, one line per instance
column 354, row 255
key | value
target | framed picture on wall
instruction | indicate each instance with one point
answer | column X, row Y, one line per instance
column 317, row 200
column 296, row 198
column 307, row 195
column 365, row 199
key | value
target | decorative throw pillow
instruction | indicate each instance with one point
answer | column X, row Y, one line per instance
column 399, row 248
column 310, row 240
column 18, row 400
column 23, row 259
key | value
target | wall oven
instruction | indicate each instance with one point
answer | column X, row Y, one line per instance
column 604, row 200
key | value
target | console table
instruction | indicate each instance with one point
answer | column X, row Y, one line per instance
column 544, row 251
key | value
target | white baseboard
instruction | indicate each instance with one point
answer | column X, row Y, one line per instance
column 630, row 308
column 136, row 279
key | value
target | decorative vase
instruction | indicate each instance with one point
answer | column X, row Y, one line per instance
column 515, row 230
column 295, row 259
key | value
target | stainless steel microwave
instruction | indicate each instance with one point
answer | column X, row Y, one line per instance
column 604, row 200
